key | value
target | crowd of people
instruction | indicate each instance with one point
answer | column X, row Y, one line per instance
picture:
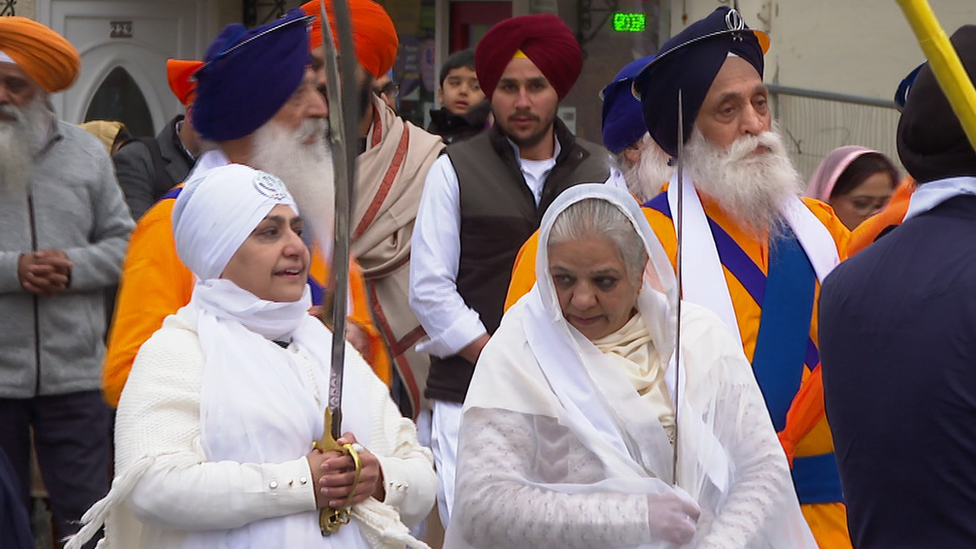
column 557, row 343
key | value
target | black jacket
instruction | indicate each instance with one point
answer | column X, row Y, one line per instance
column 898, row 348
column 456, row 127
column 142, row 178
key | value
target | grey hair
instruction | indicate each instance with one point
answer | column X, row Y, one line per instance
column 596, row 217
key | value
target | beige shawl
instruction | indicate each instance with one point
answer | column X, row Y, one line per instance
column 390, row 178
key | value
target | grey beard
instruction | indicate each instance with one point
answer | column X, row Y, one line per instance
column 750, row 188
column 305, row 169
column 646, row 176
column 20, row 141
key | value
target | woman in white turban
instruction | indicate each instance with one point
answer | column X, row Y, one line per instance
column 570, row 426
column 216, row 422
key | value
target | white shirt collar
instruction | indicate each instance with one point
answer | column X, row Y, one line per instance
column 931, row 194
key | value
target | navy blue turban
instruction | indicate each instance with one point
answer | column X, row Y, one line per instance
column 248, row 75
column 689, row 62
column 623, row 123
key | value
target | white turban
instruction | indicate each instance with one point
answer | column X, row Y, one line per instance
column 216, row 212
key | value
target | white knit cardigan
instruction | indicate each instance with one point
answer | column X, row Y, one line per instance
column 163, row 486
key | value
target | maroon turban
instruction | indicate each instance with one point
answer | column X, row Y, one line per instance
column 543, row 38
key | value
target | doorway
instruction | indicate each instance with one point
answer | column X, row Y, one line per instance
column 119, row 98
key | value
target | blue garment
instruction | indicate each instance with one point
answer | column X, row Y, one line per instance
column 898, row 349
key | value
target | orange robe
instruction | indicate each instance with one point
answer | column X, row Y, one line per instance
column 892, row 215
column 155, row 284
column 806, row 432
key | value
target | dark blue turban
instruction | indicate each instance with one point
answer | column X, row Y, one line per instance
column 905, row 87
column 623, row 123
column 248, row 75
column 689, row 62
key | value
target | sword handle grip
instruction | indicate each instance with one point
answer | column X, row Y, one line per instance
column 330, row 520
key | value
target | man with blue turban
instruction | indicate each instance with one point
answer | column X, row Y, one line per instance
column 642, row 164
column 753, row 251
column 256, row 98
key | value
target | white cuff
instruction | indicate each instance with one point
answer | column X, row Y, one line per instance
column 459, row 335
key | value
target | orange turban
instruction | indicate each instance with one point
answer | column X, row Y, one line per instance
column 179, row 74
column 42, row 53
column 373, row 33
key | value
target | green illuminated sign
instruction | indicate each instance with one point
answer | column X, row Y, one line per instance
column 629, row 22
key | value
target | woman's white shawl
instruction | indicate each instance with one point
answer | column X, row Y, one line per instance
column 557, row 450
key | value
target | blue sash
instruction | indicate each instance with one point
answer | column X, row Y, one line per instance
column 783, row 339
column 172, row 193
column 318, row 291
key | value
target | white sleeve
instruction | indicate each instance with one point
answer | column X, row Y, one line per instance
column 159, row 420
column 409, row 480
column 504, row 461
column 435, row 251
column 760, row 509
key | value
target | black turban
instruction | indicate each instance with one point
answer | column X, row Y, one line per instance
column 689, row 62
column 931, row 142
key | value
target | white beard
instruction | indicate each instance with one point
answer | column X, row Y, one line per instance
column 20, row 140
column 646, row 177
column 306, row 170
column 750, row 187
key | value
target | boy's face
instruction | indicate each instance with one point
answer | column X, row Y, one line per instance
column 460, row 90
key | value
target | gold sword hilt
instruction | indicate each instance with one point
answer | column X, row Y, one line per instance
column 330, row 520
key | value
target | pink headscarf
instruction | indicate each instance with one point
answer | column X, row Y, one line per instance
column 830, row 168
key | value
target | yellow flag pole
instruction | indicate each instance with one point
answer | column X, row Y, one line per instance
column 945, row 63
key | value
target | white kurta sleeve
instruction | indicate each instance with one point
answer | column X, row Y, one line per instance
column 159, row 420
column 435, row 251
column 761, row 497
column 497, row 507
column 409, row 481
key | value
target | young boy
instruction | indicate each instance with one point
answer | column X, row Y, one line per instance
column 464, row 112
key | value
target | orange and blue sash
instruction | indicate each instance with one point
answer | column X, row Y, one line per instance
column 786, row 297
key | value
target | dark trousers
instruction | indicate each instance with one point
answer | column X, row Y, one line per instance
column 71, row 437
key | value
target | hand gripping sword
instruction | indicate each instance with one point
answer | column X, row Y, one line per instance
column 341, row 85
column 945, row 63
column 679, row 230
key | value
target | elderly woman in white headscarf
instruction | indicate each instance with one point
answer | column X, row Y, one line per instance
column 570, row 427
column 215, row 426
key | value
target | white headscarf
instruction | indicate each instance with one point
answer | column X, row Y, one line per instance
column 259, row 403
column 559, row 435
column 216, row 212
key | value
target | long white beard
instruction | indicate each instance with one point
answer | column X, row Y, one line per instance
column 306, row 170
column 646, row 176
column 750, row 187
column 20, row 140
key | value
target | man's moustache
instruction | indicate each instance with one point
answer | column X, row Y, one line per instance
column 524, row 115
column 11, row 112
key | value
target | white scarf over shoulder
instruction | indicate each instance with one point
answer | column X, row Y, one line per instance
column 704, row 279
column 556, row 432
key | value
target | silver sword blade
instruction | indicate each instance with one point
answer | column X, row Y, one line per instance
column 679, row 230
column 343, row 107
